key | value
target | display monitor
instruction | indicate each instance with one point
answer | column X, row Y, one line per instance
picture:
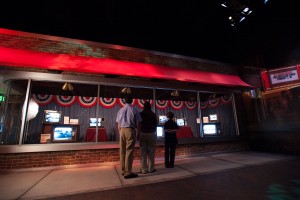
column 213, row 117
column 52, row 117
column 181, row 121
column 160, row 131
column 210, row 129
column 162, row 119
column 64, row 133
column 93, row 121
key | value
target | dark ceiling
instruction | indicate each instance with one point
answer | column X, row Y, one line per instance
column 268, row 37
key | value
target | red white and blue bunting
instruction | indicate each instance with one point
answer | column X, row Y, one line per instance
column 140, row 102
column 107, row 102
column 43, row 99
column 191, row 105
column 65, row 100
column 122, row 102
column 87, row 102
column 176, row 105
column 162, row 104
column 226, row 99
column 214, row 102
column 203, row 104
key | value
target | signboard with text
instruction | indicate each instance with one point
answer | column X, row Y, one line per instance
column 281, row 77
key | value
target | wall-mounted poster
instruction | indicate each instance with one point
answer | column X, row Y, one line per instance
column 45, row 138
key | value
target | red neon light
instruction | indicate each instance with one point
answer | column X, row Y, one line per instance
column 266, row 80
column 64, row 62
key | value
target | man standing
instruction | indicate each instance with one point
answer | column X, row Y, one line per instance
column 147, row 139
column 128, row 120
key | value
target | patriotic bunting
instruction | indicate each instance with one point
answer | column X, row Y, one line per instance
column 140, row 102
column 87, row 102
column 214, row 102
column 203, row 104
column 43, row 99
column 176, row 105
column 65, row 100
column 107, row 102
column 122, row 102
column 162, row 104
column 190, row 104
column 226, row 99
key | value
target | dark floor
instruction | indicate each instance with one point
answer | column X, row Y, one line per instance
column 273, row 181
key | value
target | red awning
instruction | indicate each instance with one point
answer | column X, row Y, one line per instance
column 64, row 62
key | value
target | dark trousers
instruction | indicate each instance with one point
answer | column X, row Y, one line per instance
column 170, row 148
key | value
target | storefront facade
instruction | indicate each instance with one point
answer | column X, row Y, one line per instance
column 53, row 89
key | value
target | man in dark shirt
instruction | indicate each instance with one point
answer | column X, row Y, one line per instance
column 170, row 128
column 147, row 139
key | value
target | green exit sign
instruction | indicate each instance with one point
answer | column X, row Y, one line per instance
column 2, row 98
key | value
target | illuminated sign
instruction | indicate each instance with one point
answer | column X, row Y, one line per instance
column 2, row 98
column 283, row 77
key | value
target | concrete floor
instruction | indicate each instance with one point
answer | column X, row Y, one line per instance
column 211, row 176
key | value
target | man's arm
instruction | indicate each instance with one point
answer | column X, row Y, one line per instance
column 118, row 126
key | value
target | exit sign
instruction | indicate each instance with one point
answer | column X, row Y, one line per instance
column 2, row 98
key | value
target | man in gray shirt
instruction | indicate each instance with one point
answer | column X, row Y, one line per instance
column 128, row 119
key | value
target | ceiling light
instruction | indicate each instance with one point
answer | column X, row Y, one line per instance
column 126, row 90
column 246, row 11
column 67, row 86
column 224, row 4
column 175, row 93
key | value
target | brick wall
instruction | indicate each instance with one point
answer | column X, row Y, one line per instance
column 58, row 45
column 94, row 156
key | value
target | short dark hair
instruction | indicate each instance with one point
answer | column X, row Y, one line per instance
column 128, row 99
column 147, row 105
column 170, row 115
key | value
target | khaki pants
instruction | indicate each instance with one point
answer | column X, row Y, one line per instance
column 127, row 142
column 147, row 148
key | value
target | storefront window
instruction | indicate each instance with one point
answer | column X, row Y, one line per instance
column 184, row 106
column 217, row 115
column 64, row 112
column 111, row 101
column 13, row 96
column 68, row 112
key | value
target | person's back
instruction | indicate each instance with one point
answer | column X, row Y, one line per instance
column 147, row 138
column 128, row 120
column 149, row 121
column 170, row 128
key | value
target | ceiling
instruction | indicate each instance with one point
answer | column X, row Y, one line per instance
column 268, row 37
